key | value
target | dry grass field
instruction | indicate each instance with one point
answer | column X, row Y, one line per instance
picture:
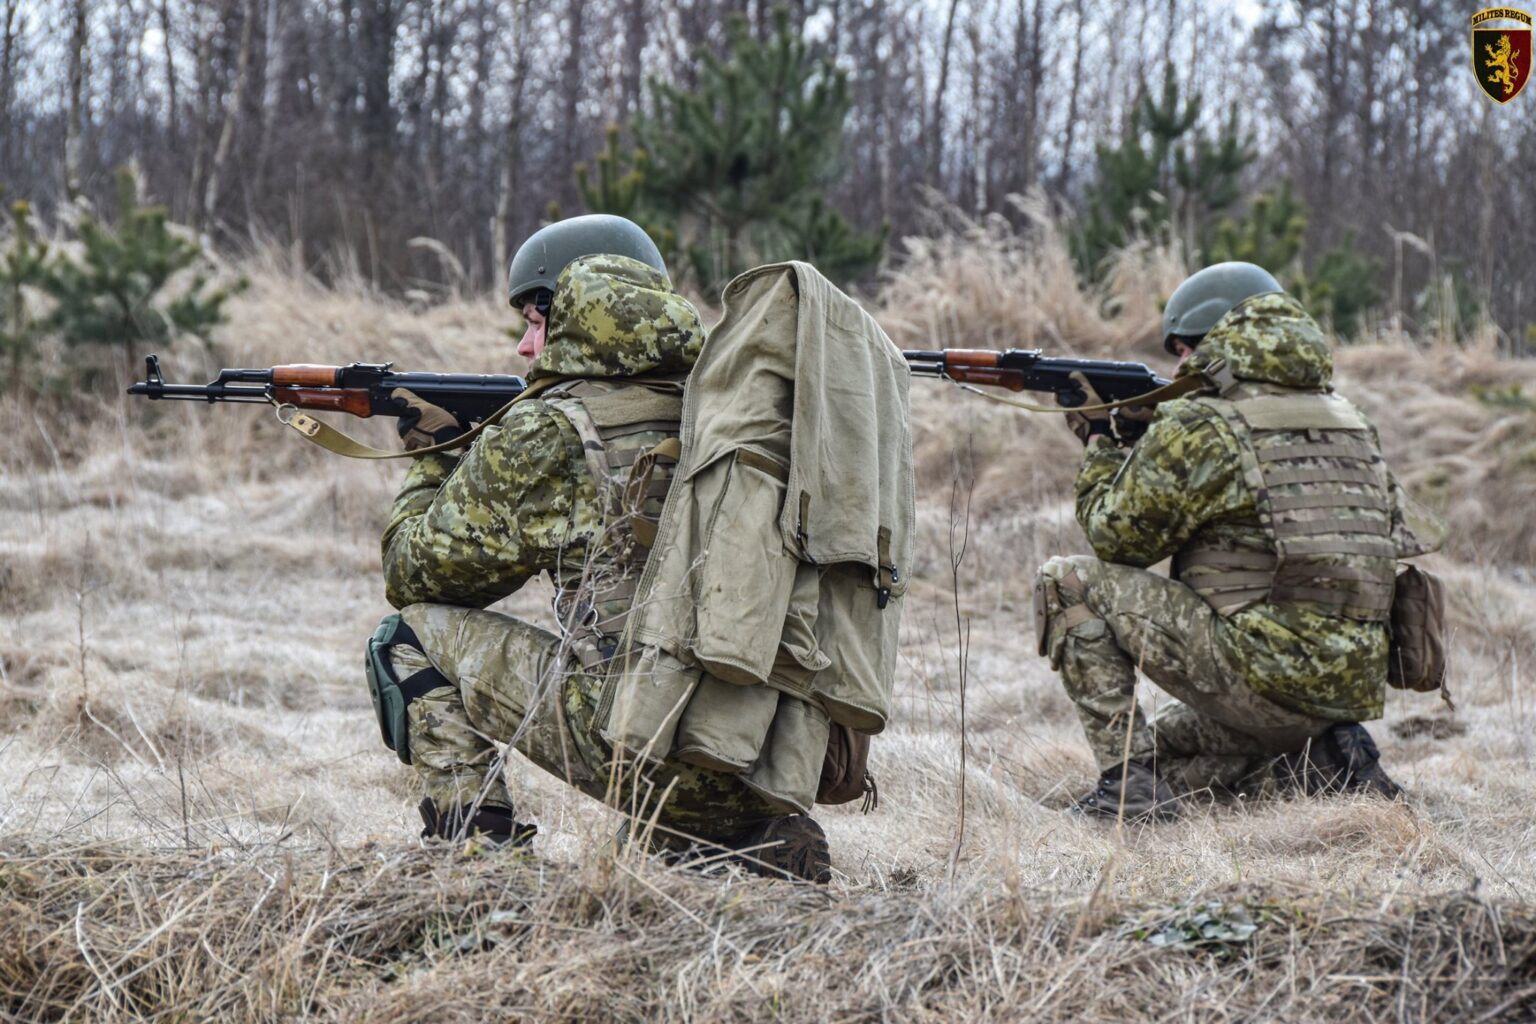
column 198, row 822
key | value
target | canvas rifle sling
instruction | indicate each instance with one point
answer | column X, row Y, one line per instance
column 1172, row 390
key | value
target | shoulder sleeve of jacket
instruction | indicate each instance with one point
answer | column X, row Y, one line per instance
column 1141, row 507
column 472, row 533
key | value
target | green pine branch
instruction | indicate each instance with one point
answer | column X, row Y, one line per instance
column 734, row 171
column 115, row 292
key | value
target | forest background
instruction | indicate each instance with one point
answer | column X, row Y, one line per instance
column 345, row 129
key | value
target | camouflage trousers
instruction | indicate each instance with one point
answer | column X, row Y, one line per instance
column 1099, row 622
column 515, row 684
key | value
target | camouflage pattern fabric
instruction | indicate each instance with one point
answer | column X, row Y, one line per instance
column 1182, row 485
column 466, row 531
column 1270, row 339
column 470, row 530
column 613, row 316
column 1104, row 621
column 518, row 684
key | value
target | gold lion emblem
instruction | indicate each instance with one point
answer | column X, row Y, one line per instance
column 1501, row 61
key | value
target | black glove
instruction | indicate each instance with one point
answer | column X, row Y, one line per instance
column 1086, row 426
column 1131, row 421
column 423, row 424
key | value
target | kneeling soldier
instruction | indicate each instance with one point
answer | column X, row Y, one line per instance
column 1284, row 524
column 549, row 489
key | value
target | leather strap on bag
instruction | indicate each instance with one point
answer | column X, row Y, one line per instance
column 340, row 443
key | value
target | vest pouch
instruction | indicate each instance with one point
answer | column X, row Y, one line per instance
column 649, row 689
column 1416, row 655
column 788, row 771
column 742, row 586
column 845, row 768
column 724, row 725
column 859, row 638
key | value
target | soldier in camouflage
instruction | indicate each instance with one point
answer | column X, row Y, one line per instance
column 1270, row 494
column 546, row 490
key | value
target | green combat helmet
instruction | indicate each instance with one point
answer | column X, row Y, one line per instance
column 540, row 259
column 1207, row 295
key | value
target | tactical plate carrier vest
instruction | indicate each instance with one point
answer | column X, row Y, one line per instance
column 628, row 430
column 1323, row 498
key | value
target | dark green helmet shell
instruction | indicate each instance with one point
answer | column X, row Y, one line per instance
column 1208, row 295
column 550, row 249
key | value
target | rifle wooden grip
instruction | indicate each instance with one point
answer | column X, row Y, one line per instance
column 353, row 401
column 979, row 357
column 305, row 375
column 1013, row 380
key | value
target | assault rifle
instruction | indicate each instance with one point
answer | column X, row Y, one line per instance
column 1025, row 369
column 360, row 389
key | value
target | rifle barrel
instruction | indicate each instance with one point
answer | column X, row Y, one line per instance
column 156, row 390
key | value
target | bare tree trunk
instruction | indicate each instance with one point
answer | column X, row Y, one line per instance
column 509, row 178
column 446, row 31
column 378, row 23
column 272, row 91
column 1028, row 74
column 1032, row 114
column 204, row 25
column 8, row 82
column 1064, row 180
column 570, row 93
column 977, row 145
column 232, row 112
column 172, row 130
column 882, row 133
column 482, row 76
column 635, row 26
column 936, row 129
column 72, row 130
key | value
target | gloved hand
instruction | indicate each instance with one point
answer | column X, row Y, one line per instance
column 1131, row 421
column 1086, row 426
column 423, row 424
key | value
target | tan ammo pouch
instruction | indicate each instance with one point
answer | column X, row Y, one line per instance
column 1416, row 655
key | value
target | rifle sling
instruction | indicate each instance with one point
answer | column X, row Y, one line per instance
column 332, row 440
column 1174, row 389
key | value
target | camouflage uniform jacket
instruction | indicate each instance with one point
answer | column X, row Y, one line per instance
column 470, row 530
column 1182, row 485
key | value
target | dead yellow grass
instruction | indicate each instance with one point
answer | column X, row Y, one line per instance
column 197, row 820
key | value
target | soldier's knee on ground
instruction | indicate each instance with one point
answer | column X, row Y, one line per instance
column 399, row 673
column 1060, row 608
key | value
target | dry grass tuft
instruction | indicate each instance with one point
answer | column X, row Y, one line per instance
column 390, row 933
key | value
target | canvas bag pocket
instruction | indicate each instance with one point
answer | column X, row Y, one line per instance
column 744, row 583
column 645, row 697
column 858, row 638
column 724, row 726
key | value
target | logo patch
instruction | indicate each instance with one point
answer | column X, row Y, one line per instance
column 1501, row 54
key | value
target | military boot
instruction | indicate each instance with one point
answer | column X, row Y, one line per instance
column 1353, row 750
column 793, row 846
column 1343, row 759
column 1135, row 789
column 494, row 825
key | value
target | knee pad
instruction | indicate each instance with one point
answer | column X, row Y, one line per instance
column 1056, row 578
column 391, row 694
